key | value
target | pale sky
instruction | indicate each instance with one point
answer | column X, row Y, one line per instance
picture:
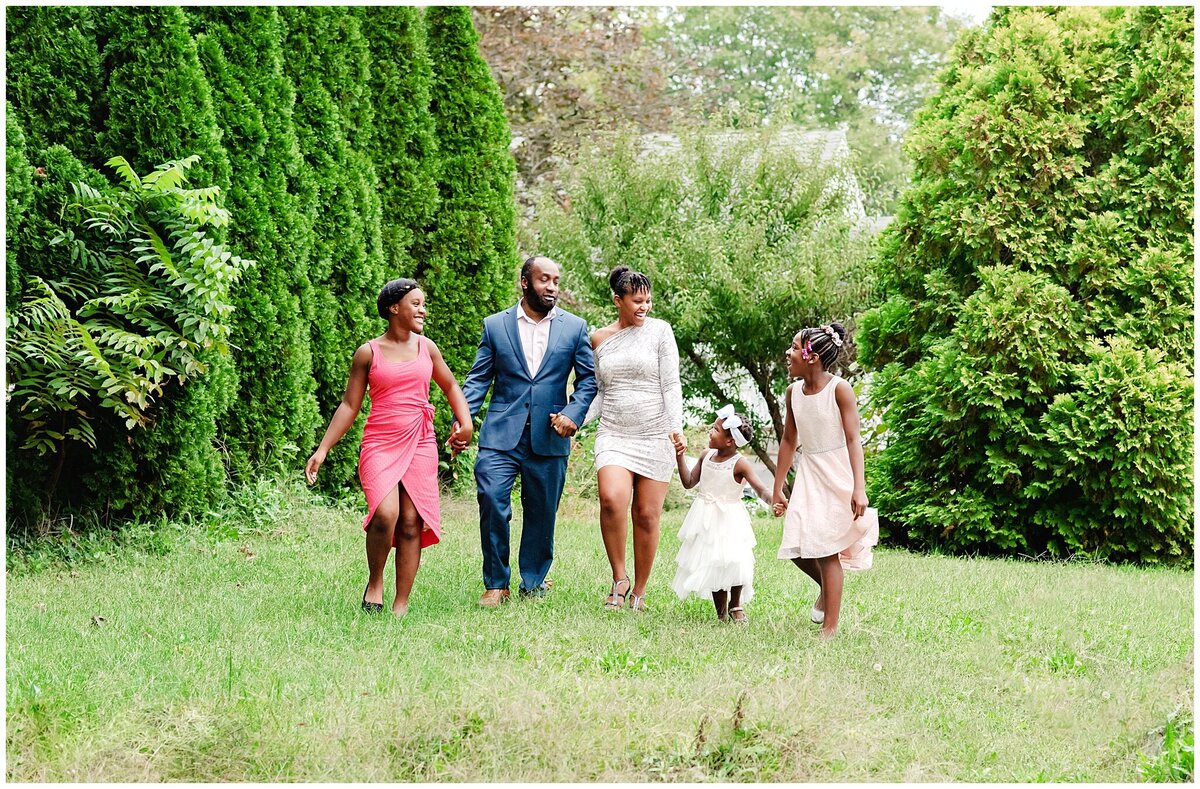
column 971, row 12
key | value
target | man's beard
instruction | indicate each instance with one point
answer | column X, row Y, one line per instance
column 537, row 302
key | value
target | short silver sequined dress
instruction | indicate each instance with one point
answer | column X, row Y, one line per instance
column 639, row 401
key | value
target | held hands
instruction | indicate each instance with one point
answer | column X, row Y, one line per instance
column 314, row 465
column 779, row 504
column 680, row 442
column 563, row 425
column 460, row 438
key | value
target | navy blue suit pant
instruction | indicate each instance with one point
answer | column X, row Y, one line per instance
column 542, row 478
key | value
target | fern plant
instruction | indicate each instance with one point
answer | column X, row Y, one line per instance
column 148, row 295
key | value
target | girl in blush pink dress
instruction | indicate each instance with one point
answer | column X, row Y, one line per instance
column 828, row 527
column 398, row 461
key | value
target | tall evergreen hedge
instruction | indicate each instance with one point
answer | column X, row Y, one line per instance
column 18, row 193
column 468, row 255
column 55, row 90
column 1036, row 343
column 242, row 55
column 54, row 77
column 318, row 126
column 158, row 103
column 345, row 269
column 404, row 148
column 159, row 108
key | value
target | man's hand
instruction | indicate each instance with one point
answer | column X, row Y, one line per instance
column 563, row 425
column 460, row 438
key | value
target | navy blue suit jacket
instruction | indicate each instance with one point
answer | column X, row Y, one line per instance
column 517, row 396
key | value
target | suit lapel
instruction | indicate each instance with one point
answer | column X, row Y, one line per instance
column 514, row 337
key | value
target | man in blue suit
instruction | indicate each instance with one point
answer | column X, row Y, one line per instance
column 525, row 356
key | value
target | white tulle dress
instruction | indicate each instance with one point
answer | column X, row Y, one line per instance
column 717, row 539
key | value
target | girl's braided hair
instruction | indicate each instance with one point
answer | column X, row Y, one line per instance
column 827, row 342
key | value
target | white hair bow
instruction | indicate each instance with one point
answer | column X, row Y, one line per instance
column 730, row 421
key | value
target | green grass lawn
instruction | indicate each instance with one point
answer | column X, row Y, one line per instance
column 249, row 660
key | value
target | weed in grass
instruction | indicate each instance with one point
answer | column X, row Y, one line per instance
column 619, row 660
column 1176, row 753
column 1063, row 660
column 737, row 753
column 965, row 624
column 427, row 757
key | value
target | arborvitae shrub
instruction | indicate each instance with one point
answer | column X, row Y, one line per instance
column 55, row 81
column 159, row 105
column 404, row 150
column 241, row 52
column 346, row 270
column 467, row 258
column 1050, row 217
column 18, row 193
column 159, row 108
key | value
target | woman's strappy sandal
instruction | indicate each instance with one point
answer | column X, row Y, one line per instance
column 616, row 600
column 638, row 603
column 739, row 620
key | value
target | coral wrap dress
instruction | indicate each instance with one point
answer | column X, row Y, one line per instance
column 398, row 443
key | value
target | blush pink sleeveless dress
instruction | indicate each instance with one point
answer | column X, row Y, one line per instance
column 398, row 444
column 819, row 521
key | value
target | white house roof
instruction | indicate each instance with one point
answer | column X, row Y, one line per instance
column 829, row 145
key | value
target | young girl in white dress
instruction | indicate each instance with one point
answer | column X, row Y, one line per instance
column 716, row 554
column 828, row 526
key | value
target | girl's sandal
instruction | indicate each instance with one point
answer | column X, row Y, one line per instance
column 738, row 615
column 616, row 600
column 638, row 603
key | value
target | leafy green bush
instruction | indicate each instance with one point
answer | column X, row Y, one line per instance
column 53, row 171
column 746, row 241
column 1038, row 312
column 146, row 306
column 159, row 107
column 1121, row 456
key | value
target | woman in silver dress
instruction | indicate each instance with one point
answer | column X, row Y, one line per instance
column 640, row 406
